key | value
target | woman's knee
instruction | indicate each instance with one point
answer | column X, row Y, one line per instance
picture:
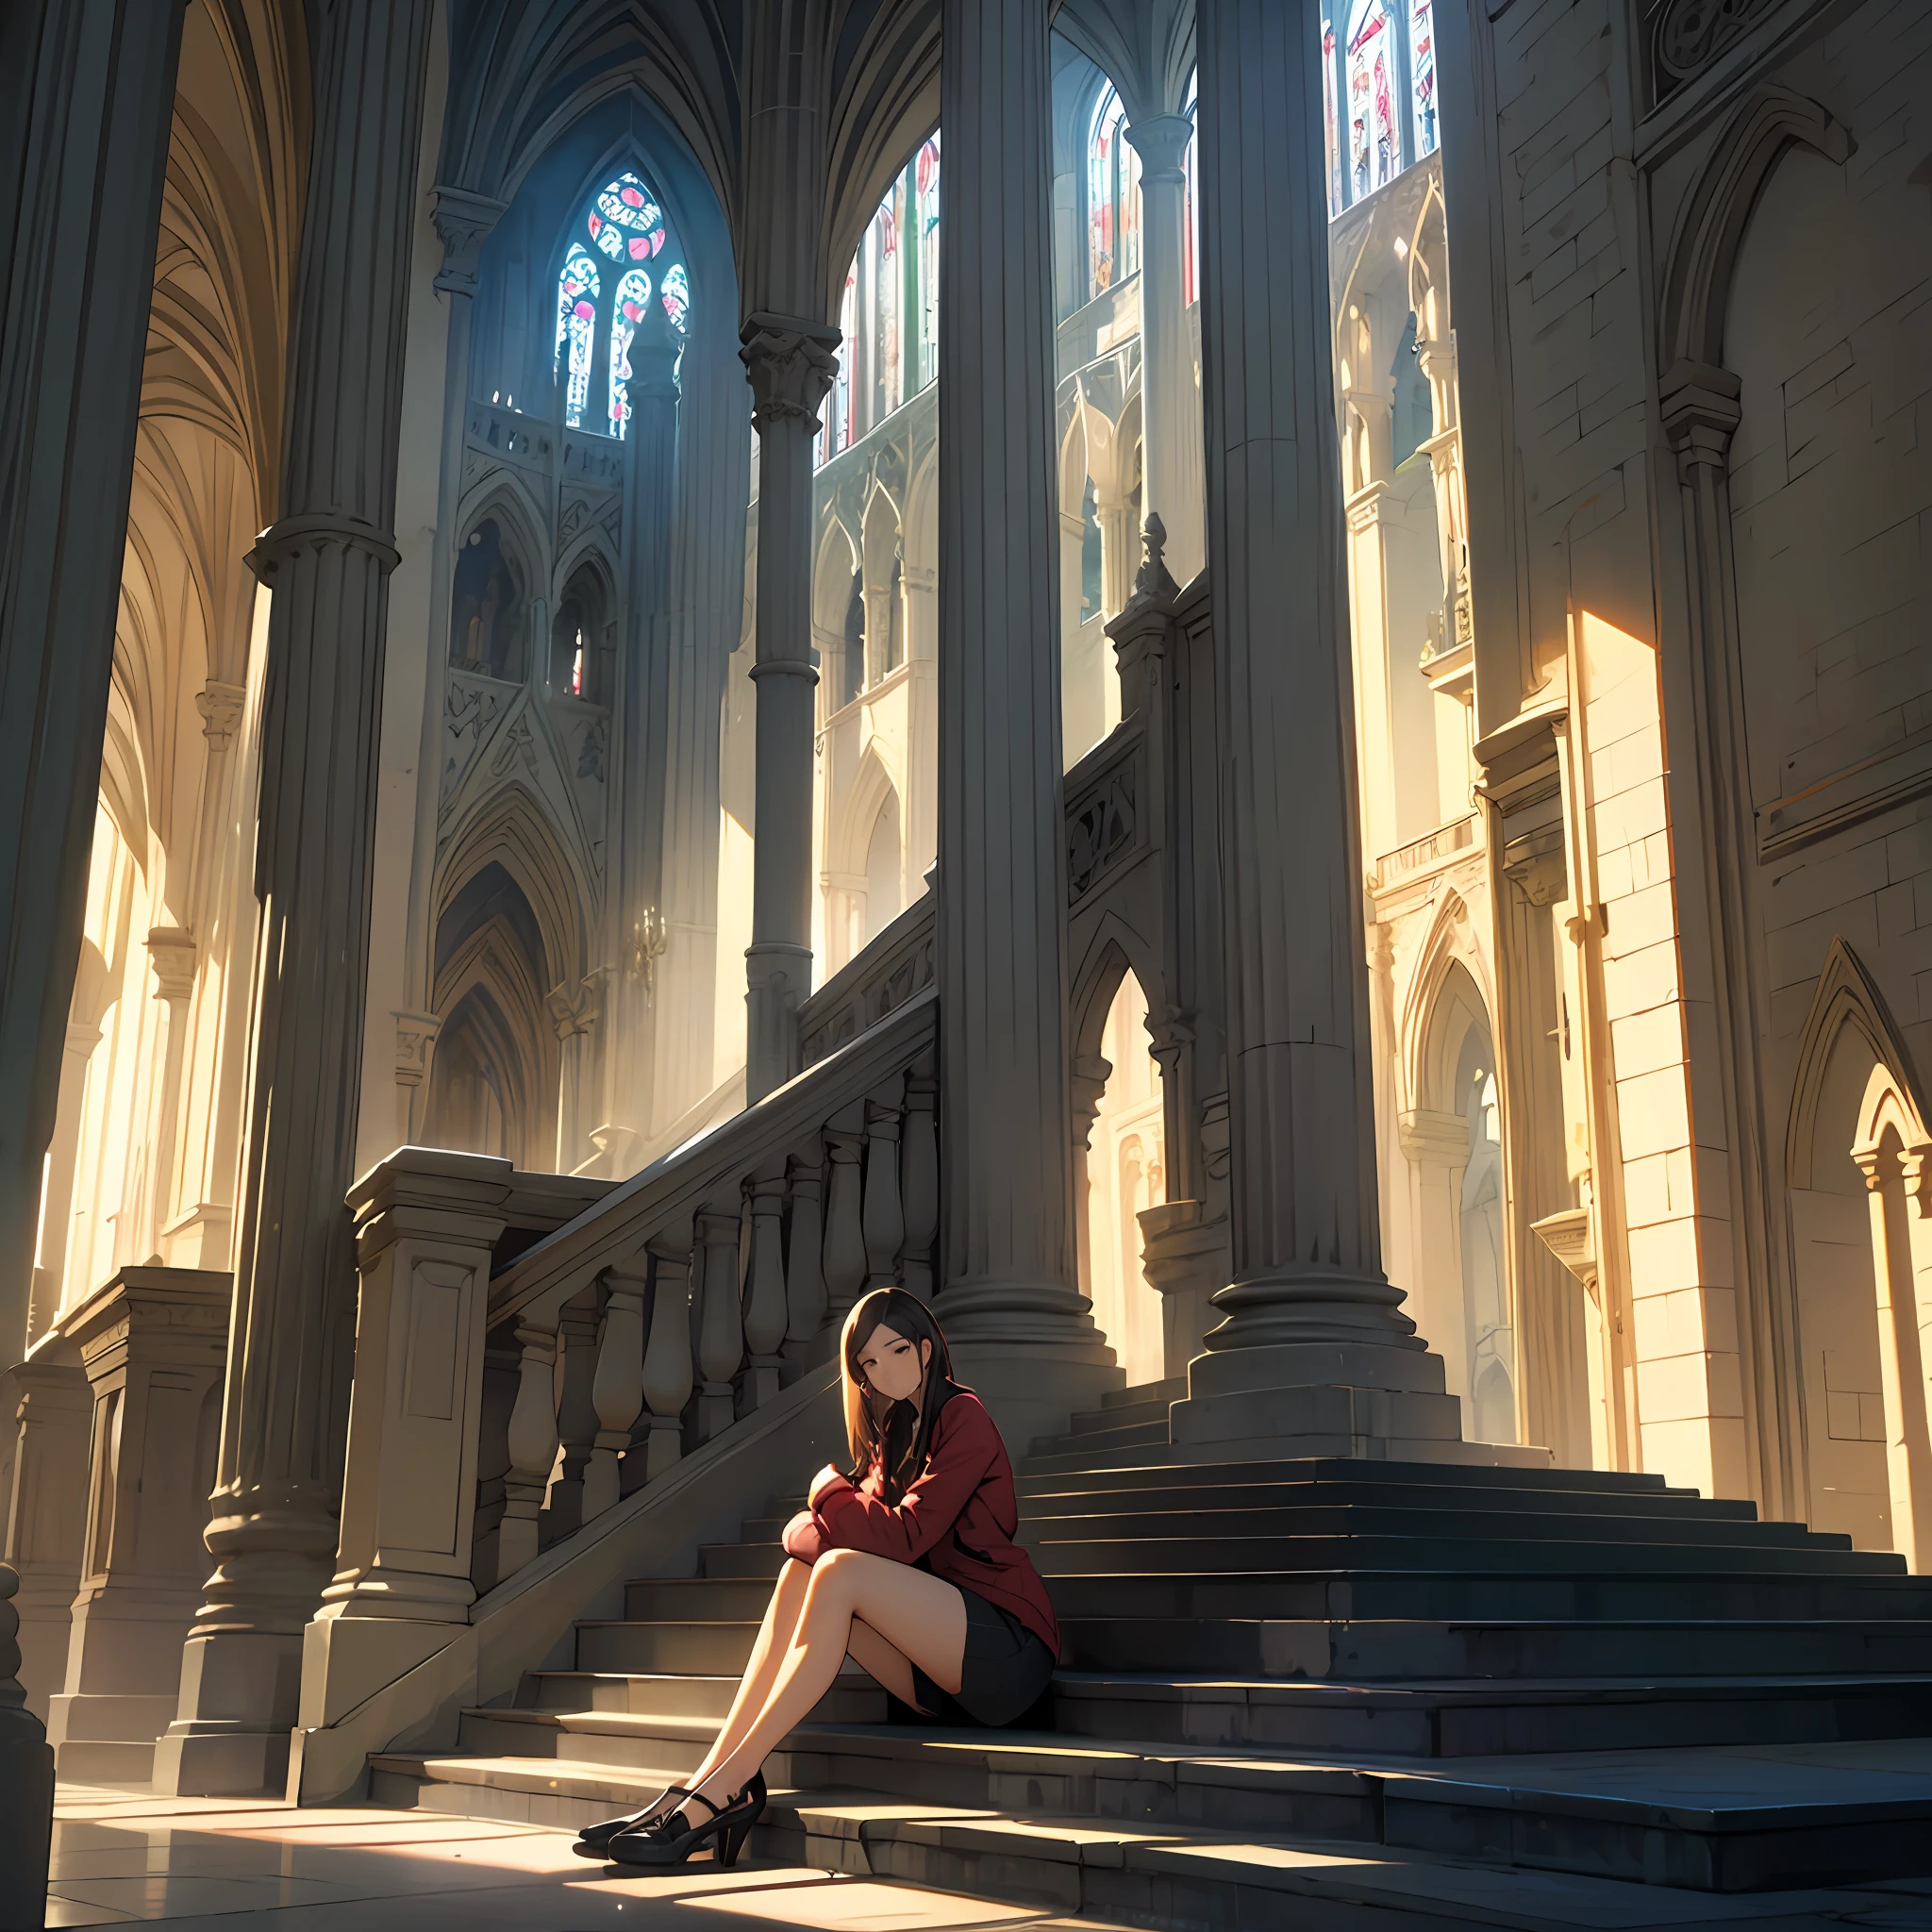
column 835, row 1573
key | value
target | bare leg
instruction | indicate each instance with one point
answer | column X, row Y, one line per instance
column 918, row 1615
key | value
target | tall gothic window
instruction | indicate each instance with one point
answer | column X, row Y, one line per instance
column 889, row 316
column 1113, row 196
column 1378, row 94
column 602, row 304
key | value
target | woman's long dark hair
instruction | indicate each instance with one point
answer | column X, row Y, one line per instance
column 888, row 1434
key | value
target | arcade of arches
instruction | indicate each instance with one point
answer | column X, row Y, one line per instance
column 613, row 600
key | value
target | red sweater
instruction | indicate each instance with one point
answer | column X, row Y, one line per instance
column 961, row 1516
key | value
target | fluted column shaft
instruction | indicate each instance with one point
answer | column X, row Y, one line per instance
column 1007, row 1287
column 791, row 365
column 328, row 558
column 88, row 96
column 1307, row 1246
column 1171, row 414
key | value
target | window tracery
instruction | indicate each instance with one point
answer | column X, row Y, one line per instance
column 1113, row 196
column 626, row 225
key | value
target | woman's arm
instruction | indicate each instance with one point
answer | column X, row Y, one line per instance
column 964, row 1446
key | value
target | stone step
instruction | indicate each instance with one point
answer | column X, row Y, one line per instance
column 1092, row 1422
column 734, row 1561
column 1367, row 1519
column 1707, row 1822
column 1463, row 1719
column 697, row 1647
column 1059, row 1556
column 1137, row 1474
column 1172, row 1389
column 1361, row 1651
column 853, row 1699
column 1107, row 1435
column 1050, row 1500
column 1507, row 1593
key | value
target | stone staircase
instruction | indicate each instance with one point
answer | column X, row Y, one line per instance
column 1457, row 1696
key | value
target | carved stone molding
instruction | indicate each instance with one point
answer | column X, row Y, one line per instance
column 415, row 1044
column 791, row 365
column 1701, row 414
column 220, row 706
column 171, row 954
column 463, row 222
column 1692, row 34
column 1162, row 141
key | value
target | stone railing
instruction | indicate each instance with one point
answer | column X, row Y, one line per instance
column 494, row 1416
column 899, row 963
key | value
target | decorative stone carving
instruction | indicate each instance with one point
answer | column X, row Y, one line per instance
column 470, row 708
column 415, row 1045
column 220, row 706
column 790, row 369
column 1102, row 829
column 463, row 222
column 1694, row 33
column 171, row 955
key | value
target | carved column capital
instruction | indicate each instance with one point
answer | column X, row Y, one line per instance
column 1162, row 141
column 171, row 955
column 791, row 365
column 415, row 1043
column 463, row 222
column 220, row 706
column 1701, row 414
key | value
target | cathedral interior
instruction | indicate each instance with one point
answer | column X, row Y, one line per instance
column 1242, row 687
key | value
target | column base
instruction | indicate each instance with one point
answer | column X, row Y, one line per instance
column 1033, row 1363
column 106, row 1738
column 240, row 1693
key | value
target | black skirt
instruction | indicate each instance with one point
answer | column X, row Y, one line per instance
column 1004, row 1673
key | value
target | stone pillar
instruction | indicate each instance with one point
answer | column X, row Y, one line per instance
column 425, row 1223
column 27, row 1776
column 1018, row 1326
column 153, row 1341
column 1313, row 1350
column 791, row 365
column 88, row 96
column 172, row 957
column 921, row 761
column 47, row 1409
column 463, row 223
column 1171, row 409
column 328, row 556
column 575, row 1011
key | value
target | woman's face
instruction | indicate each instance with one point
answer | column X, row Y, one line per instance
column 892, row 1364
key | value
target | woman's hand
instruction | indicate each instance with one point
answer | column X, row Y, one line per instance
column 828, row 1478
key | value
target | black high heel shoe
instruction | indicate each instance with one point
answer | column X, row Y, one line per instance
column 674, row 1842
column 593, row 1841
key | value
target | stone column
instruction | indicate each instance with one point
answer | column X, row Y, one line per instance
column 328, row 557
column 1171, row 409
column 153, row 1341
column 172, row 957
column 1314, row 1348
column 463, row 223
column 791, row 365
column 87, row 94
column 1018, row 1326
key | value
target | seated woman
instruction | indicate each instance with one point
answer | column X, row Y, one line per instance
column 906, row 1564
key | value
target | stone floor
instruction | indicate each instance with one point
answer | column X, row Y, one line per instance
column 119, row 1856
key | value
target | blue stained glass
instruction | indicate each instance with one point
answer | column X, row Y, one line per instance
column 627, row 202
column 633, row 294
column 676, row 295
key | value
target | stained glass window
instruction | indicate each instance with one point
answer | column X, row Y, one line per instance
column 625, row 224
column 1191, row 188
column 633, row 298
column 577, row 325
column 1113, row 196
column 1374, row 149
column 1422, row 74
column 1332, row 148
column 889, row 316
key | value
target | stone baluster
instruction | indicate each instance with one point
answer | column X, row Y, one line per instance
column 328, row 554
column 766, row 1312
column 919, row 1177
column 576, row 1411
column 532, row 1442
column 501, row 1382
column 27, row 1775
column 845, row 1244
column 668, row 1378
column 721, row 1320
column 617, row 1393
column 805, row 1269
column 883, row 1222
column 1017, row 1322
